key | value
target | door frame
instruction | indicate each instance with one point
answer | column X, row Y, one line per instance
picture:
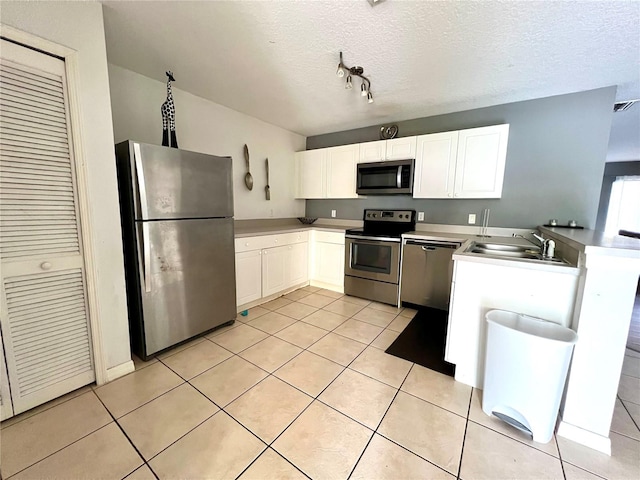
column 70, row 58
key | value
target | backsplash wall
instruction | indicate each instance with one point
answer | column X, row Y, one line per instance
column 555, row 162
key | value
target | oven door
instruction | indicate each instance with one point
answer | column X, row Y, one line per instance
column 373, row 258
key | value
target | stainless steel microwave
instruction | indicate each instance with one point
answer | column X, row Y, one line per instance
column 385, row 178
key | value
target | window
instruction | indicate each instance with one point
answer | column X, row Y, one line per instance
column 624, row 206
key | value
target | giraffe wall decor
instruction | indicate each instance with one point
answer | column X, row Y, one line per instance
column 169, row 116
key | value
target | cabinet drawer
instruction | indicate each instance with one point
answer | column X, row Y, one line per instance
column 329, row 237
column 294, row 237
column 246, row 244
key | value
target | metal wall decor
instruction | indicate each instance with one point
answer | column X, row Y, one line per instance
column 388, row 132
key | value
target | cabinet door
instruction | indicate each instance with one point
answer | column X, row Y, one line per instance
column 373, row 151
column 435, row 167
column 297, row 264
column 248, row 276
column 341, row 171
column 310, row 169
column 401, row 148
column 482, row 153
column 274, row 271
column 329, row 263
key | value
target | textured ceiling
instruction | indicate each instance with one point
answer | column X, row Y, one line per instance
column 276, row 60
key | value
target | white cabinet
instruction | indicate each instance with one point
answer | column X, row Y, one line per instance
column 248, row 276
column 268, row 264
column 310, row 168
column 327, row 260
column 327, row 172
column 341, row 171
column 297, row 263
column 482, row 153
column 373, row 151
column 435, row 167
column 401, row 148
column 463, row 164
column 274, row 272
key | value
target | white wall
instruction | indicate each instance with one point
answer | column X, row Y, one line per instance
column 79, row 25
column 204, row 126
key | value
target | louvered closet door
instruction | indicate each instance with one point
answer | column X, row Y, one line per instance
column 6, row 407
column 44, row 320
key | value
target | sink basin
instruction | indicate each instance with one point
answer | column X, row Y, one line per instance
column 507, row 253
column 516, row 252
column 499, row 247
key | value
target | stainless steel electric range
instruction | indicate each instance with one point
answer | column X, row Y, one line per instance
column 372, row 255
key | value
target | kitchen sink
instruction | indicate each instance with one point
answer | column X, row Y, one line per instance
column 499, row 247
column 515, row 252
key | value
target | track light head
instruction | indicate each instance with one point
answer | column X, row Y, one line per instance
column 349, row 84
column 369, row 97
column 340, row 71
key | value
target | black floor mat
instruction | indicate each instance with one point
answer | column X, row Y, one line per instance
column 423, row 341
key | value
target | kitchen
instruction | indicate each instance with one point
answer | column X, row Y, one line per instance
column 579, row 120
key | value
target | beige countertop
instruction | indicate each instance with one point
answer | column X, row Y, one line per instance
column 249, row 228
column 592, row 241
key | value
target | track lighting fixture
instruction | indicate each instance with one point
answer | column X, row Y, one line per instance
column 365, row 87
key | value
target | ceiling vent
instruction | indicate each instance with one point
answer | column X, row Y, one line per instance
column 622, row 106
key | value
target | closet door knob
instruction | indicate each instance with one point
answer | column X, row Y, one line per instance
column 45, row 265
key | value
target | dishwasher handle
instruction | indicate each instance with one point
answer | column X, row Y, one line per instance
column 433, row 244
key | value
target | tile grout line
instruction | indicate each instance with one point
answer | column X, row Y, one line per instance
column 355, row 465
column 464, row 437
column 144, row 462
column 60, row 449
column 628, row 413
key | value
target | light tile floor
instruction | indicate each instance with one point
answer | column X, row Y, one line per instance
column 300, row 387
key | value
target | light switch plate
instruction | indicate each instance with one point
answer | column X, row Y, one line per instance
column 421, row 216
column 472, row 218
column 333, row 214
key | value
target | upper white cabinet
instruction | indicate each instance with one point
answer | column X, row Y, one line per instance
column 463, row 164
column 373, row 151
column 327, row 172
column 401, row 148
column 435, row 167
column 341, row 171
column 395, row 149
column 311, row 166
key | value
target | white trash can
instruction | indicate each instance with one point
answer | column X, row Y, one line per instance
column 525, row 371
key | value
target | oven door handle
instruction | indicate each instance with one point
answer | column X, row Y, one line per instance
column 373, row 239
column 399, row 177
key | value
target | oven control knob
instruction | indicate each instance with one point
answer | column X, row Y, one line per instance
column 374, row 215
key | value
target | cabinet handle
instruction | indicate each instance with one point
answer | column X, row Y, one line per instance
column 246, row 244
column 449, row 195
column 276, row 240
column 456, row 195
column 45, row 265
column 290, row 247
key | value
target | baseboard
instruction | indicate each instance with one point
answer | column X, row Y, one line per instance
column 120, row 370
column 327, row 286
column 585, row 437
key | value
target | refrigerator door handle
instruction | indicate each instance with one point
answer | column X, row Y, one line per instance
column 146, row 249
column 142, row 188
column 143, row 247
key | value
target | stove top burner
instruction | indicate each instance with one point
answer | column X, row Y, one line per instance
column 386, row 223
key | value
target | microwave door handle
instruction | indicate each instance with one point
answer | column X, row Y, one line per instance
column 399, row 177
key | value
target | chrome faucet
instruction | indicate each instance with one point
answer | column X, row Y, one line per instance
column 547, row 246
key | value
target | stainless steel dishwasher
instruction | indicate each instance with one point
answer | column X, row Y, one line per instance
column 427, row 269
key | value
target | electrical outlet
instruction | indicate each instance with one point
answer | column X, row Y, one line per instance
column 421, row 216
column 472, row 218
column 333, row 214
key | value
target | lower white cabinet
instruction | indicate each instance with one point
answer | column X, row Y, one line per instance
column 248, row 276
column 327, row 260
column 274, row 270
column 268, row 264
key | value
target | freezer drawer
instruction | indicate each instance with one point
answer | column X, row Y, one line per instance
column 187, row 279
column 427, row 269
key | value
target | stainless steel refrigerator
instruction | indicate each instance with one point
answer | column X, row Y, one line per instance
column 177, row 226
